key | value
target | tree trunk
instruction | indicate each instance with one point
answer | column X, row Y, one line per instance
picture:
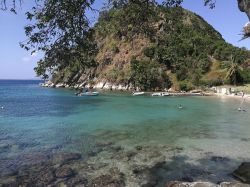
column 235, row 82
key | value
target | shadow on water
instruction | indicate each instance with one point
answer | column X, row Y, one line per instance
column 211, row 169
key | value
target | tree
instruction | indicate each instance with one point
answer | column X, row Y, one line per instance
column 244, row 6
column 61, row 30
column 148, row 75
column 234, row 70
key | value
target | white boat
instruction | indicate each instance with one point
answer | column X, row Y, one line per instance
column 157, row 94
column 138, row 93
column 160, row 94
column 166, row 94
column 90, row 93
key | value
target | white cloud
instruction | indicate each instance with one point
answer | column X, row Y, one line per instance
column 28, row 58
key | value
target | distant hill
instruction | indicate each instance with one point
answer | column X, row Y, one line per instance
column 170, row 47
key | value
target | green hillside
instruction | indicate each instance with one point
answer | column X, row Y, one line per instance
column 156, row 49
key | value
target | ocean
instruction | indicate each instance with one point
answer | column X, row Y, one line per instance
column 143, row 138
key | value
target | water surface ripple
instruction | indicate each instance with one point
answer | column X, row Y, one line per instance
column 82, row 140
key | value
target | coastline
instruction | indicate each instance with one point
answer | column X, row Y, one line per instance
column 246, row 97
column 106, row 86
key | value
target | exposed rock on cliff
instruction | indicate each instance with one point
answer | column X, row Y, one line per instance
column 172, row 47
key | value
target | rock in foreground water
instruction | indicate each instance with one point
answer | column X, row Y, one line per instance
column 63, row 158
column 107, row 181
column 64, row 172
column 243, row 172
column 204, row 184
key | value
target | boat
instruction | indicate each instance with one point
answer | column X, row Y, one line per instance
column 90, row 93
column 166, row 94
column 160, row 94
column 157, row 94
column 138, row 93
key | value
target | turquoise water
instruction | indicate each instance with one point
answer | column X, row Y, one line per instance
column 46, row 120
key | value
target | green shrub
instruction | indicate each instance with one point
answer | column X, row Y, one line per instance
column 148, row 75
column 149, row 51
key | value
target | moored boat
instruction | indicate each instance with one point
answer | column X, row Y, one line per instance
column 160, row 94
column 138, row 93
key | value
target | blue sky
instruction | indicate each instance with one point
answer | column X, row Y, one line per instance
column 16, row 63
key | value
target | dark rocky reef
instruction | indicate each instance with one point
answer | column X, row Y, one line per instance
column 243, row 172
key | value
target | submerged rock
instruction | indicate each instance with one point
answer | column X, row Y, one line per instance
column 138, row 170
column 114, row 179
column 8, row 172
column 187, row 179
column 64, row 158
column 10, row 181
column 16, row 162
column 80, row 181
column 107, row 181
column 243, row 172
column 43, row 176
column 138, row 148
column 4, row 146
column 63, row 172
column 245, row 139
column 219, row 159
column 95, row 151
column 204, row 184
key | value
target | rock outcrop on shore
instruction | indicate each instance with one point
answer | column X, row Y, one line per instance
column 98, row 85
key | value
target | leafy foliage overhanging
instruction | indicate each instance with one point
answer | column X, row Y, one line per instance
column 61, row 30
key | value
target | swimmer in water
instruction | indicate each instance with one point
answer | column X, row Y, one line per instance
column 241, row 110
column 180, row 106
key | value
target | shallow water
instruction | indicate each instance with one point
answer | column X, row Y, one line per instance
column 185, row 141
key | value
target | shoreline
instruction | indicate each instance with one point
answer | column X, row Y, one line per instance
column 110, row 87
column 233, row 96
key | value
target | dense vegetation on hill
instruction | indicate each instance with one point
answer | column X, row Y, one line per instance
column 157, row 49
column 133, row 38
